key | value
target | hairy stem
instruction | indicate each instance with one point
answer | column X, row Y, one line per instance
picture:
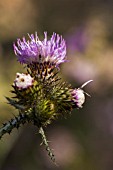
column 45, row 142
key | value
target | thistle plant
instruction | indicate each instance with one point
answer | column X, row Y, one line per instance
column 40, row 94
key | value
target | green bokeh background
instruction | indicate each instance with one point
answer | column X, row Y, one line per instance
column 83, row 141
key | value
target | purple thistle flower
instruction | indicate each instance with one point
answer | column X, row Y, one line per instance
column 34, row 50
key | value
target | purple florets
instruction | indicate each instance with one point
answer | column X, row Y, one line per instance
column 53, row 50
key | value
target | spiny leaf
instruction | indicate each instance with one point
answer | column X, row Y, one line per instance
column 13, row 123
column 15, row 104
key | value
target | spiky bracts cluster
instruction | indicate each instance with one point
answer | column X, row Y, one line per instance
column 40, row 94
column 47, row 96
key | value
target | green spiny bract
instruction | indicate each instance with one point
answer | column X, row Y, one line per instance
column 48, row 97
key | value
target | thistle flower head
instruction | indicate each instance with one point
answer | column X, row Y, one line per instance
column 34, row 50
column 41, row 95
column 23, row 81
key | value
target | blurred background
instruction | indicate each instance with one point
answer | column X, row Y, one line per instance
column 83, row 141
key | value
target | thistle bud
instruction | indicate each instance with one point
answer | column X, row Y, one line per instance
column 79, row 95
column 23, row 81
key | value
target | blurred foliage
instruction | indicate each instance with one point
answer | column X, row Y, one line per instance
column 84, row 140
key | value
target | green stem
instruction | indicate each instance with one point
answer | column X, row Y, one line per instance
column 45, row 142
column 13, row 123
